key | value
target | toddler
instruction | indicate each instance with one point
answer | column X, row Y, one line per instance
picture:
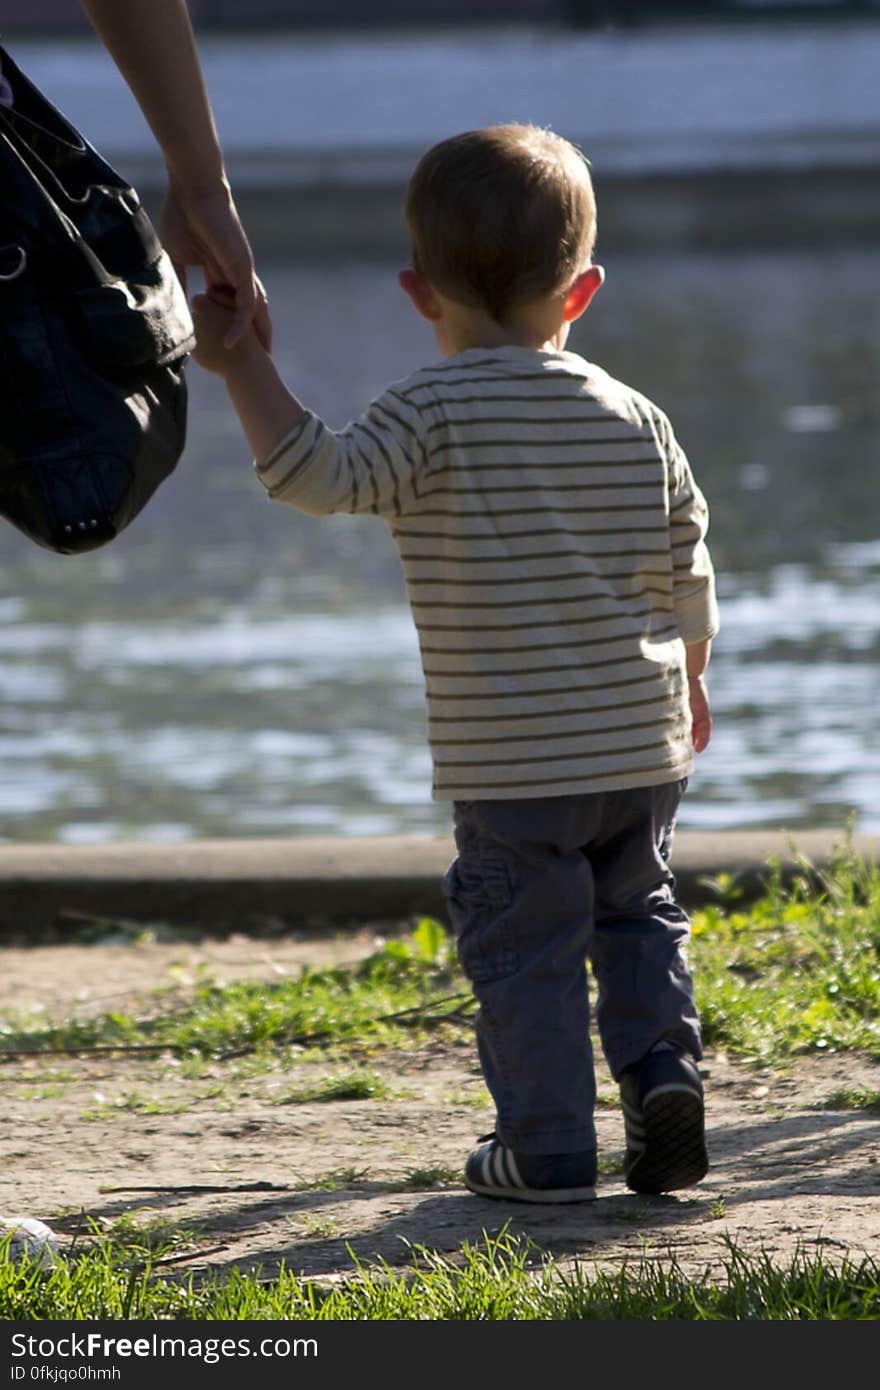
column 552, row 538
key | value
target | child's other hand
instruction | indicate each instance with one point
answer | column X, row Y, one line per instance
column 212, row 319
column 701, row 717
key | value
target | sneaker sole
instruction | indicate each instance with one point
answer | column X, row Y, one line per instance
column 674, row 1139
column 533, row 1194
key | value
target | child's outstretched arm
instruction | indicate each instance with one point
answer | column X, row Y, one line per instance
column 373, row 465
column 267, row 409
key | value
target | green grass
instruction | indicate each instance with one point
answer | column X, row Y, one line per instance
column 852, row 1098
column 140, row 1235
column 611, row 1164
column 415, row 1180
column 796, row 972
column 429, row 1179
column 500, row 1278
column 405, row 990
column 475, row 1097
column 335, row 1181
column 355, row 1085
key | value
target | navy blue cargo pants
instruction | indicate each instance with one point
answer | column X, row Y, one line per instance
column 538, row 888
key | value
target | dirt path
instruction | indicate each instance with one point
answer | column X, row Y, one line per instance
column 222, row 1154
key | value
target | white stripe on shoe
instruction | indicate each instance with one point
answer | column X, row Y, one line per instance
column 667, row 1086
column 492, row 1171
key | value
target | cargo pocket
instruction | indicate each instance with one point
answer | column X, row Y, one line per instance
column 480, row 887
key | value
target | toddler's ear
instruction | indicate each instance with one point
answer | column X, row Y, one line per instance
column 418, row 289
column 582, row 291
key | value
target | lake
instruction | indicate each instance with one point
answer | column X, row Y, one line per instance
column 228, row 667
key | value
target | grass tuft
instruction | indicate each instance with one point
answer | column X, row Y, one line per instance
column 500, row 1278
column 799, row 970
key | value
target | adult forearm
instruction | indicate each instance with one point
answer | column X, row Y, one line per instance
column 153, row 45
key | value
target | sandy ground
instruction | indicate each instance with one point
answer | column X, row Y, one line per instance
column 227, row 1159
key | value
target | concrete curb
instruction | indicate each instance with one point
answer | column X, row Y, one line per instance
column 309, row 883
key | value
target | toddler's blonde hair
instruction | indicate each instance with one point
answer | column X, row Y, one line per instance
column 501, row 216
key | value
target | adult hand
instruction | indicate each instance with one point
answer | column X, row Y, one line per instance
column 201, row 227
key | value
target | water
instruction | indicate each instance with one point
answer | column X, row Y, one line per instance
column 230, row 668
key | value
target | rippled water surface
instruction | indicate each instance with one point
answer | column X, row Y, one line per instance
column 230, row 668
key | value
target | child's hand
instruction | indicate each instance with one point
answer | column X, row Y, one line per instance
column 701, row 716
column 268, row 411
column 696, row 661
column 212, row 320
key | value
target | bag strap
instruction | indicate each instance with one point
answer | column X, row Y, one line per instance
column 79, row 221
column 44, row 136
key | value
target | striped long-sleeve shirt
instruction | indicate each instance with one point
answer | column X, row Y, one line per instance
column 552, row 538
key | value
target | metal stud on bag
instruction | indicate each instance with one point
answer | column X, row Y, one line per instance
column 20, row 266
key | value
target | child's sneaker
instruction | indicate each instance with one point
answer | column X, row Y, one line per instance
column 664, row 1122
column 493, row 1170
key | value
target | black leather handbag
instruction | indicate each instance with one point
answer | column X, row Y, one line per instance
column 95, row 332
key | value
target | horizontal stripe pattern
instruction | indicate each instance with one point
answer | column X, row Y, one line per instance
column 553, row 541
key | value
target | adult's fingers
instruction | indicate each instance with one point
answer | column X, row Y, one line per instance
column 251, row 307
column 262, row 318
